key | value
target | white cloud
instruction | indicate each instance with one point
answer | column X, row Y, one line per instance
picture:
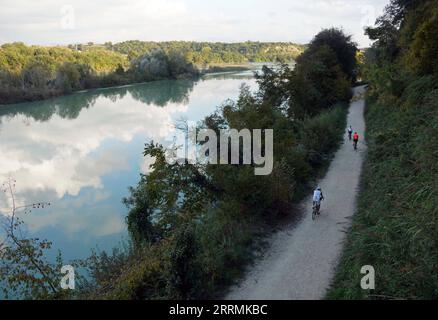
column 41, row 22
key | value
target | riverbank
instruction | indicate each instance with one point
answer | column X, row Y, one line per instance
column 38, row 95
column 215, row 68
column 30, row 73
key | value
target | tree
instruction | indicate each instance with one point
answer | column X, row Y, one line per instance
column 23, row 267
column 317, row 83
column 341, row 44
column 419, row 40
column 152, row 65
column 179, row 64
column 67, row 78
column 35, row 76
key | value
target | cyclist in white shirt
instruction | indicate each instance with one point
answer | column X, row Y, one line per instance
column 317, row 198
column 350, row 131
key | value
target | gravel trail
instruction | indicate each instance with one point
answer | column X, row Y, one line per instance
column 300, row 260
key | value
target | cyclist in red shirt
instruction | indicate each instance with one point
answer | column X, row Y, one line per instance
column 355, row 140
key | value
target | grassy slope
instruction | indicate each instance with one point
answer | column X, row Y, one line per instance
column 395, row 227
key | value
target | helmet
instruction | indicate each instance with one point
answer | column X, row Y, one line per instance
column 318, row 188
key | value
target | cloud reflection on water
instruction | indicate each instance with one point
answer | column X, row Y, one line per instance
column 82, row 151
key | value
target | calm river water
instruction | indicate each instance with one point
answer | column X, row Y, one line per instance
column 81, row 152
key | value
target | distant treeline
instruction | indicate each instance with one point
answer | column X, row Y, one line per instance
column 207, row 53
column 34, row 72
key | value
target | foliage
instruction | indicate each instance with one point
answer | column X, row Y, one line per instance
column 24, row 270
column 342, row 45
column 208, row 53
column 318, row 83
column 395, row 228
column 318, row 80
column 421, row 37
column 33, row 72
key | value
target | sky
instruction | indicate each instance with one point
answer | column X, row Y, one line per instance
column 53, row 22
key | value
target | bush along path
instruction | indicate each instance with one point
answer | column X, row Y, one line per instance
column 301, row 259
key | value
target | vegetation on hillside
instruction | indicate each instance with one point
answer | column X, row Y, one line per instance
column 203, row 54
column 396, row 226
column 33, row 72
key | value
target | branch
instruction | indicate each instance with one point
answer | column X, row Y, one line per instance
column 13, row 225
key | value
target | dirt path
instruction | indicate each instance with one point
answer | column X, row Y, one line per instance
column 301, row 259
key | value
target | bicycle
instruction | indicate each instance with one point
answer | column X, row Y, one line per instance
column 355, row 145
column 315, row 210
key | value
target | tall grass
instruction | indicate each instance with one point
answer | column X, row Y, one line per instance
column 396, row 226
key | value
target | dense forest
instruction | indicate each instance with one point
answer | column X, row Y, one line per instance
column 35, row 72
column 396, row 226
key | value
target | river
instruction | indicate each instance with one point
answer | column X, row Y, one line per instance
column 81, row 153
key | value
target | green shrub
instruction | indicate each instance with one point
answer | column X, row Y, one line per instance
column 321, row 134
